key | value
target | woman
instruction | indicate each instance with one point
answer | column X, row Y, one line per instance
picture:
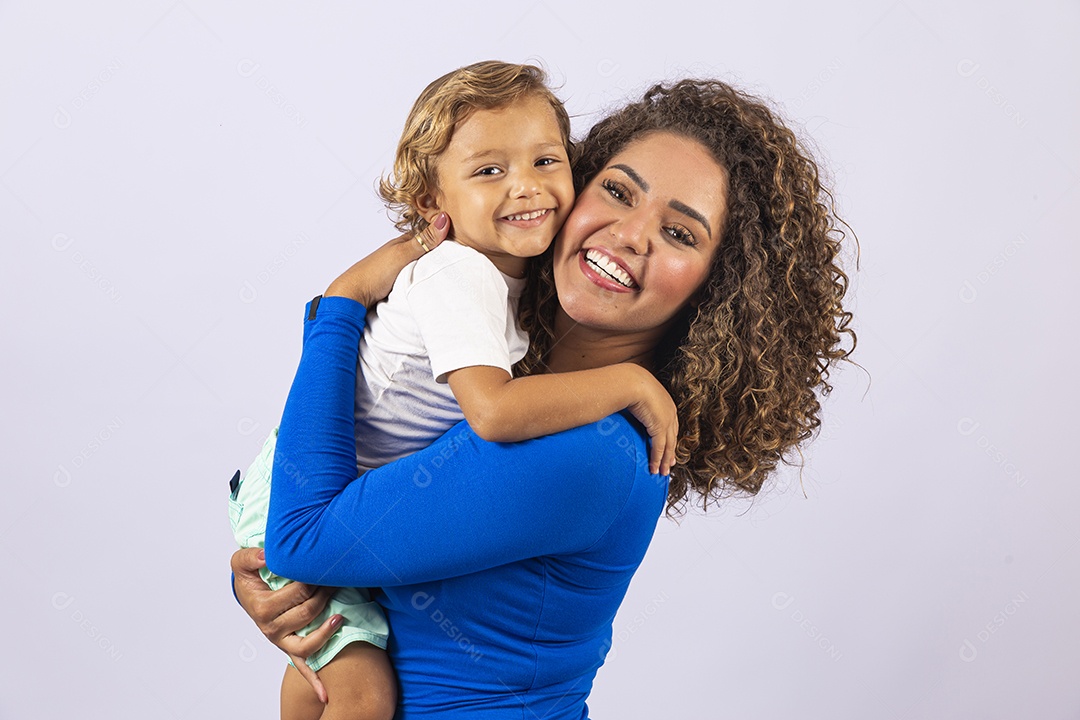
column 502, row 566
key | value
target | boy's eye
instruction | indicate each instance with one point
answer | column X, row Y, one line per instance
column 489, row 170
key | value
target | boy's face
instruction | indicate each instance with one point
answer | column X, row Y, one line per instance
column 505, row 182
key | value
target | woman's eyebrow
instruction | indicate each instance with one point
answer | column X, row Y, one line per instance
column 632, row 174
column 673, row 204
column 690, row 212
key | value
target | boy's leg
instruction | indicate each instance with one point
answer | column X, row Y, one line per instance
column 359, row 682
column 298, row 698
column 364, row 681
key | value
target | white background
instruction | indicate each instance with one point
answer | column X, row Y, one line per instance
column 176, row 180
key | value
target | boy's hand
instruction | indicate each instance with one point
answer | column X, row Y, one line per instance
column 372, row 279
column 655, row 409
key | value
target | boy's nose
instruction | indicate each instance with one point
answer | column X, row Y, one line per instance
column 525, row 185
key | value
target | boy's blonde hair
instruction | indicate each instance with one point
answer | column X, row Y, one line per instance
column 435, row 115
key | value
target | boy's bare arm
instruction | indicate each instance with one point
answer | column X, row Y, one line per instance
column 504, row 409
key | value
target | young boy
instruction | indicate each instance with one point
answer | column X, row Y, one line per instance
column 487, row 148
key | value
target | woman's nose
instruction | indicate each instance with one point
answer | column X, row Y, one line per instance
column 630, row 231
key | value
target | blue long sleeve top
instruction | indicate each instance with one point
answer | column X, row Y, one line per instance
column 501, row 565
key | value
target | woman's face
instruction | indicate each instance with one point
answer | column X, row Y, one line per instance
column 640, row 240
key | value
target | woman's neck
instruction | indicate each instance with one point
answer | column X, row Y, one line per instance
column 577, row 347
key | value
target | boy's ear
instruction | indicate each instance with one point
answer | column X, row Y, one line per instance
column 428, row 206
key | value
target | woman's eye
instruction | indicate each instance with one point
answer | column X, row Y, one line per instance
column 681, row 235
column 615, row 190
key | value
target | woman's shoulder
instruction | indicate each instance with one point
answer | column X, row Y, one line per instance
column 618, row 441
column 604, row 465
column 612, row 485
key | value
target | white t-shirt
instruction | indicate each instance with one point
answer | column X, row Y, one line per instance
column 450, row 309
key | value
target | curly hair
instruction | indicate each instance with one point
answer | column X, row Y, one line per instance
column 436, row 114
column 745, row 366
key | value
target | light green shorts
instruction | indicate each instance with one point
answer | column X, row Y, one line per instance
column 249, row 505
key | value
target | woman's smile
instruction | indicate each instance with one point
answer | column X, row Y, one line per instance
column 606, row 270
column 641, row 238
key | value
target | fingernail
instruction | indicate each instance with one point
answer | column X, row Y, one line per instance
column 440, row 221
column 262, row 555
column 335, row 621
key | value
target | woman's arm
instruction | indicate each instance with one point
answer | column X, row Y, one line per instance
column 279, row 614
column 460, row 506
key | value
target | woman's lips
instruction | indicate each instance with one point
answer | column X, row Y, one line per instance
column 601, row 278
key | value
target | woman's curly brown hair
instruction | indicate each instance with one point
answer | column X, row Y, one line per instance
column 745, row 366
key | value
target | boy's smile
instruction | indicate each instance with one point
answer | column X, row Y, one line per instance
column 505, row 182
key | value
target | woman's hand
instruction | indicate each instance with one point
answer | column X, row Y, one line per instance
column 280, row 613
column 371, row 279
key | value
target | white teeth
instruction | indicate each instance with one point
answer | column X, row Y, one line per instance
column 609, row 267
column 527, row 216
